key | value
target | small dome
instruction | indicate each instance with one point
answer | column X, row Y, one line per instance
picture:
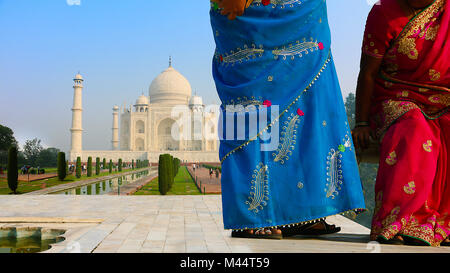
column 196, row 100
column 142, row 100
column 170, row 87
column 116, row 108
column 78, row 77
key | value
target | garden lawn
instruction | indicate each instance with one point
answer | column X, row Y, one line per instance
column 26, row 187
column 182, row 185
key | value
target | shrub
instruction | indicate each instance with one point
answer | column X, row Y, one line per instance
column 120, row 164
column 104, row 163
column 97, row 166
column 62, row 166
column 110, row 166
column 132, row 164
column 13, row 175
column 78, row 168
column 176, row 165
column 89, row 167
column 165, row 176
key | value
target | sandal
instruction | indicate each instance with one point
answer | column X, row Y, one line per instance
column 256, row 234
column 309, row 229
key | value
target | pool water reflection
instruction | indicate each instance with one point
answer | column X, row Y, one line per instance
column 106, row 186
column 28, row 240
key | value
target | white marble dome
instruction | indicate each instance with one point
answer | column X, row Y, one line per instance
column 196, row 100
column 142, row 100
column 170, row 87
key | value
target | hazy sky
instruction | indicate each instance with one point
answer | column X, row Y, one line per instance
column 119, row 47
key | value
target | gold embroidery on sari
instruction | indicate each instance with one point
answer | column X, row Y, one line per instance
column 239, row 55
column 388, row 84
column 297, row 49
column 410, row 188
column 407, row 40
column 392, row 159
column 441, row 99
column 334, row 169
column 434, row 75
column 287, row 141
column 392, row 111
column 403, row 94
column 427, row 146
column 260, row 194
column 432, row 33
column 281, row 3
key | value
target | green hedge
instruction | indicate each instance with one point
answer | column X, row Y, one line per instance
column 62, row 167
column 89, row 167
column 13, row 172
column 78, row 168
column 120, row 164
column 97, row 166
column 165, row 173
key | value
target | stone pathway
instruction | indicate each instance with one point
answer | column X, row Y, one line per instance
column 191, row 224
column 207, row 184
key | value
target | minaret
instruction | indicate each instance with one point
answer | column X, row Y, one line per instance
column 77, row 111
column 115, row 129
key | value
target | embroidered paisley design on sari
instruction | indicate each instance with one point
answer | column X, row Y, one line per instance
column 260, row 189
column 287, row 139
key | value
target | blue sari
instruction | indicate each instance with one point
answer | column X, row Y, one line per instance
column 277, row 56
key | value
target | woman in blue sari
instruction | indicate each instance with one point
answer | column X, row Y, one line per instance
column 285, row 176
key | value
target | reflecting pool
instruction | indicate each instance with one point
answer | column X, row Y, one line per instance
column 107, row 186
column 28, row 240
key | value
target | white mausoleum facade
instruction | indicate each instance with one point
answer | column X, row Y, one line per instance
column 169, row 120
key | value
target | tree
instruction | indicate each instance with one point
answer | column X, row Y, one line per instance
column 48, row 157
column 110, row 166
column 97, row 166
column 104, row 163
column 89, row 167
column 350, row 109
column 7, row 138
column 13, row 173
column 78, row 168
column 165, row 176
column 132, row 164
column 31, row 150
column 120, row 164
column 62, row 168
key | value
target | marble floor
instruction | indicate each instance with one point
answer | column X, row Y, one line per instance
column 164, row 224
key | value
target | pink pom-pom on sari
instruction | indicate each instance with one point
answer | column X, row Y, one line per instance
column 410, row 116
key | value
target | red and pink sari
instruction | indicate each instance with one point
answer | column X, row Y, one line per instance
column 410, row 116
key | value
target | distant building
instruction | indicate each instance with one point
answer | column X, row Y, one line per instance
column 148, row 128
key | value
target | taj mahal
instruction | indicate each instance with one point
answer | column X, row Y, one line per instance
column 147, row 128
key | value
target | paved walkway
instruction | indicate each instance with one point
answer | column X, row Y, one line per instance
column 207, row 184
column 168, row 224
column 32, row 177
